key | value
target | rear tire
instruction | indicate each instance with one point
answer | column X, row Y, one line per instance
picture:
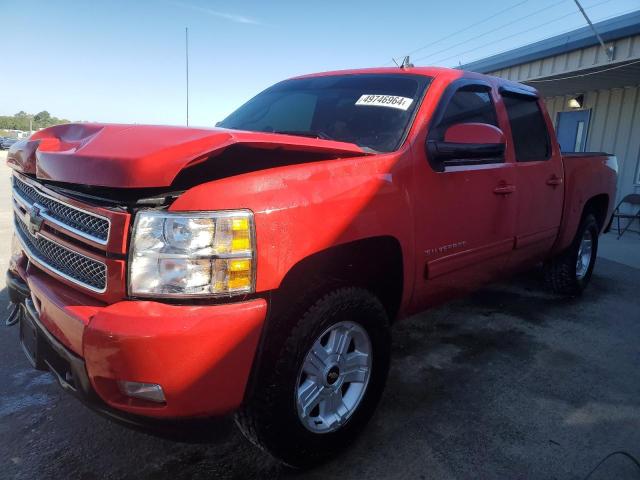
column 274, row 417
column 569, row 272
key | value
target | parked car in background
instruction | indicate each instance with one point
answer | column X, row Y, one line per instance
column 6, row 143
column 169, row 273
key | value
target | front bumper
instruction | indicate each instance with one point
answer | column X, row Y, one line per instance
column 201, row 355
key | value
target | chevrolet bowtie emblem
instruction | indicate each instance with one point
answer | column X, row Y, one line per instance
column 34, row 219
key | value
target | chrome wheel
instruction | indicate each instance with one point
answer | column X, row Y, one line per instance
column 584, row 254
column 334, row 377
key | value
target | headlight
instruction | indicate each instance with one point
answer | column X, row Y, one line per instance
column 192, row 254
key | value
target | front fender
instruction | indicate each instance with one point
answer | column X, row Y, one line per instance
column 303, row 209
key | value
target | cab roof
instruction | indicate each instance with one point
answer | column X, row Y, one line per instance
column 447, row 74
column 424, row 71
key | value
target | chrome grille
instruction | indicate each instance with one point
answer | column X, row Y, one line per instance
column 85, row 224
column 74, row 266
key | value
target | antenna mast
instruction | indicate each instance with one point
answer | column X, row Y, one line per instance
column 406, row 63
column 186, row 54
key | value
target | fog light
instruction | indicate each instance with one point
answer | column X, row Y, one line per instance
column 145, row 391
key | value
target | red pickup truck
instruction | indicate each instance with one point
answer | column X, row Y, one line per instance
column 168, row 274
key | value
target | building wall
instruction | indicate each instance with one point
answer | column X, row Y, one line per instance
column 627, row 48
column 614, row 127
column 612, row 94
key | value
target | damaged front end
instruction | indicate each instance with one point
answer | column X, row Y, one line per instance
column 151, row 156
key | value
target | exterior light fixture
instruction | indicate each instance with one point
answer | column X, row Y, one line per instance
column 576, row 102
column 145, row 391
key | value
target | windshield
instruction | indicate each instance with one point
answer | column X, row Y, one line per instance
column 372, row 111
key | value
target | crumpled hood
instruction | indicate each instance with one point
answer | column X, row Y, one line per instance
column 138, row 156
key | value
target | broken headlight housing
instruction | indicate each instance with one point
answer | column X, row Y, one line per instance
column 192, row 254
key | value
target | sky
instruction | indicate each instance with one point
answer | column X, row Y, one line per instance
column 124, row 61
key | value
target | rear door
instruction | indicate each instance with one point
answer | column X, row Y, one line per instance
column 539, row 177
column 465, row 215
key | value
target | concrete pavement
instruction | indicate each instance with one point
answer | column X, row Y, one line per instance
column 625, row 250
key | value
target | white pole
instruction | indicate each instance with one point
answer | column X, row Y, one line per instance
column 608, row 51
column 186, row 43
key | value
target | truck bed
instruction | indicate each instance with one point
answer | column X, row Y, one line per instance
column 586, row 175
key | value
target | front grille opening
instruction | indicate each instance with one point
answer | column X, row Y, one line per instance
column 72, row 265
column 84, row 222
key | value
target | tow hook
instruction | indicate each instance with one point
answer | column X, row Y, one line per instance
column 14, row 314
column 18, row 293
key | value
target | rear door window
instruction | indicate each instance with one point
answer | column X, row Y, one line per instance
column 528, row 128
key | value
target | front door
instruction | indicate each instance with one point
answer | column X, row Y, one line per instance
column 465, row 215
column 572, row 130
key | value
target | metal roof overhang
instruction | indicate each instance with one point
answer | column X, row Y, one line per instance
column 612, row 29
column 623, row 74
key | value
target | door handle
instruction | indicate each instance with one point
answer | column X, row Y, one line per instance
column 554, row 181
column 504, row 189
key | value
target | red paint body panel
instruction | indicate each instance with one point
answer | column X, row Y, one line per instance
column 457, row 230
column 474, row 133
column 303, row 209
column 137, row 156
column 539, row 204
column 65, row 312
column 585, row 177
column 201, row 355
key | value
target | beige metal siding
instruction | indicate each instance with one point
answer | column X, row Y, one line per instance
column 613, row 95
column 627, row 48
column 614, row 128
column 615, row 112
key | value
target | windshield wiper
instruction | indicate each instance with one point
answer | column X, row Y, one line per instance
column 322, row 136
column 306, row 133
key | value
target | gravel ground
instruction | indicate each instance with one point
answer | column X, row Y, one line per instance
column 507, row 383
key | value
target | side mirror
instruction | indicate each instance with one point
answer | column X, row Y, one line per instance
column 465, row 144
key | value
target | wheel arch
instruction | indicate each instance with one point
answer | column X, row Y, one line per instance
column 373, row 263
column 598, row 205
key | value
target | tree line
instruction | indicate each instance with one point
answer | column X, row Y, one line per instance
column 20, row 121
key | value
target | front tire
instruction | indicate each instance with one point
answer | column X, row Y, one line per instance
column 569, row 272
column 313, row 399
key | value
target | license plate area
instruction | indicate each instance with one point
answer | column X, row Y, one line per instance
column 29, row 338
column 41, row 353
